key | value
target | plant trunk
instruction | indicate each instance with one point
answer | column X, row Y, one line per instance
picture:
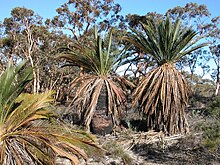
column 217, row 88
column 102, row 122
column 38, row 79
column 139, row 65
column 34, row 74
column 217, row 81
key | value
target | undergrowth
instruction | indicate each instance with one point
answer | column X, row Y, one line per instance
column 211, row 128
column 118, row 152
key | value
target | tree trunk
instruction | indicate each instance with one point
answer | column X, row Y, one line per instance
column 38, row 79
column 217, row 88
column 217, row 81
column 31, row 46
column 102, row 122
column 139, row 65
column 34, row 74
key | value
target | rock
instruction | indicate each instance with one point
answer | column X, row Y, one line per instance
column 62, row 161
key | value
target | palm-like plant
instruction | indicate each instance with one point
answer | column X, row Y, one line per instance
column 162, row 93
column 100, row 61
column 27, row 135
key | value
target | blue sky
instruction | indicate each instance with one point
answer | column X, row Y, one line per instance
column 46, row 8
column 161, row 6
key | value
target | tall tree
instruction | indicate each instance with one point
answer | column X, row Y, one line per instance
column 192, row 14
column 162, row 94
column 26, row 37
column 80, row 16
column 214, row 38
column 20, row 29
column 49, row 40
column 215, row 50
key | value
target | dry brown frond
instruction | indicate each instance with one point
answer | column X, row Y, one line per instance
column 88, row 93
column 162, row 94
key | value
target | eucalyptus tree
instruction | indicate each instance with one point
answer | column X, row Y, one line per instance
column 51, row 75
column 214, row 47
column 25, row 36
column 79, row 16
column 215, row 51
column 100, row 60
column 162, row 93
column 192, row 14
column 19, row 29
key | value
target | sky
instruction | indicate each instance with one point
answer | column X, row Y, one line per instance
column 47, row 8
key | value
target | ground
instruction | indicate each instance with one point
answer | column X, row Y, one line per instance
column 131, row 147
column 153, row 148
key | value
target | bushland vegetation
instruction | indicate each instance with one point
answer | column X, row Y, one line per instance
column 90, row 70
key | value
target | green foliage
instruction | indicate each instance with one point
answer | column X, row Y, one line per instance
column 211, row 128
column 165, row 41
column 211, row 133
column 12, row 83
column 98, row 57
column 28, row 133
column 214, row 108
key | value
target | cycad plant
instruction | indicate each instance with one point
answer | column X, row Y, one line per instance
column 162, row 93
column 99, row 60
column 28, row 135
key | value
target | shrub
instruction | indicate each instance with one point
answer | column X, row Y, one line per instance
column 211, row 128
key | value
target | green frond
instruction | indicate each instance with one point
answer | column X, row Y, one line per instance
column 164, row 41
column 99, row 58
column 28, row 133
column 31, row 107
column 12, row 83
